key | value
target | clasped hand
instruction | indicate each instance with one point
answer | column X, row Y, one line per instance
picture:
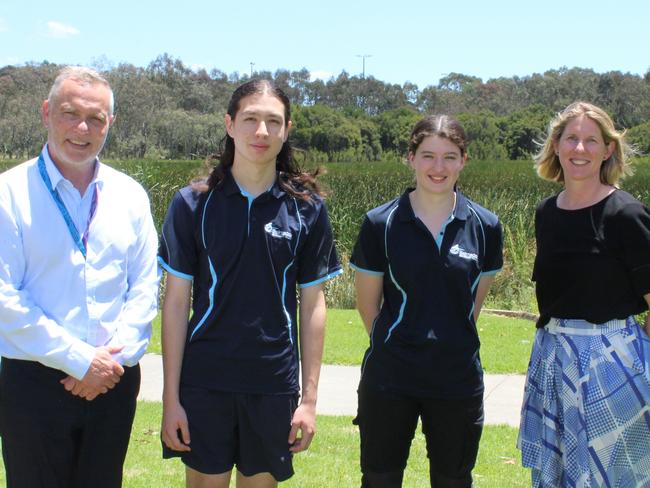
column 102, row 375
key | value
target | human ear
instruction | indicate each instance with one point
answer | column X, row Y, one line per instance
column 286, row 132
column 45, row 112
column 228, row 121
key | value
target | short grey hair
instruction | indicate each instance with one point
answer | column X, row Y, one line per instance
column 84, row 75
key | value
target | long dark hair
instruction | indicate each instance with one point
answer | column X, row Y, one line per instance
column 291, row 178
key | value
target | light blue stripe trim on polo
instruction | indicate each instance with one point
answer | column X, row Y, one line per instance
column 392, row 277
column 250, row 199
column 205, row 206
column 213, row 273
column 172, row 271
column 367, row 271
column 482, row 229
column 284, row 306
column 321, row 280
column 401, row 309
column 441, row 234
column 284, row 274
column 472, row 289
column 492, row 272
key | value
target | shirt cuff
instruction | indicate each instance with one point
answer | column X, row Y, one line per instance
column 78, row 359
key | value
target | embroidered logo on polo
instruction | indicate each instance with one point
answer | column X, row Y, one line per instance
column 275, row 232
column 456, row 250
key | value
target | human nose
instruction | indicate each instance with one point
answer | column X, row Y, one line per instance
column 82, row 126
column 580, row 146
column 262, row 129
column 438, row 163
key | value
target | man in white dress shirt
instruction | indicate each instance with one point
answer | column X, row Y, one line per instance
column 78, row 292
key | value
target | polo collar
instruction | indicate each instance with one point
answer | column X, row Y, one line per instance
column 230, row 187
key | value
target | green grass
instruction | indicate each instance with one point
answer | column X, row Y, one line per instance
column 505, row 348
column 331, row 461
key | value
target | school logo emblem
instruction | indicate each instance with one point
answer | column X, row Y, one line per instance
column 277, row 233
column 456, row 250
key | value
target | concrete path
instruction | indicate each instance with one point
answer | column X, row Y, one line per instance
column 337, row 391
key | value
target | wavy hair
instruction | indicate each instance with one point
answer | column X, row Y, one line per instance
column 613, row 169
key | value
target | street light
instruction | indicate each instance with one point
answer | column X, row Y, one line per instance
column 363, row 57
column 252, row 64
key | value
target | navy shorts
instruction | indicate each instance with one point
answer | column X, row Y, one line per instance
column 248, row 431
column 452, row 429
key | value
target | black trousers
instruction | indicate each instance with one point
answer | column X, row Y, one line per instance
column 387, row 423
column 53, row 439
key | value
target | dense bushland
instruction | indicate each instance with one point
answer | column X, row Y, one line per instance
column 170, row 111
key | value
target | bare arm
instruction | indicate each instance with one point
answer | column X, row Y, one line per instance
column 484, row 285
column 312, row 337
column 369, row 288
column 175, row 314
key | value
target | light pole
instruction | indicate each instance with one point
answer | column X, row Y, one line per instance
column 363, row 57
column 252, row 64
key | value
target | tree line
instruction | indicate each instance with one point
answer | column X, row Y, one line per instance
column 170, row 111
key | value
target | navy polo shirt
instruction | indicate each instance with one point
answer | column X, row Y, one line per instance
column 424, row 341
column 245, row 257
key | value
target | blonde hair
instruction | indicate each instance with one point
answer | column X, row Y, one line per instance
column 613, row 169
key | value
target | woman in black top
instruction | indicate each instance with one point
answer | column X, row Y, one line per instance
column 585, row 418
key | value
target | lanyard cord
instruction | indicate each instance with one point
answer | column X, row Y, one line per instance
column 80, row 241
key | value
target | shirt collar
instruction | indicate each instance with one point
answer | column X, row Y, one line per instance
column 230, row 187
column 56, row 177
column 461, row 211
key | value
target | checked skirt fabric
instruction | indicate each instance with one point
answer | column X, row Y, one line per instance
column 585, row 418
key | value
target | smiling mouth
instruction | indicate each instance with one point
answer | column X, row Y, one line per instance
column 437, row 179
column 580, row 162
column 78, row 144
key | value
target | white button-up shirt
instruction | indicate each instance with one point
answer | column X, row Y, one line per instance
column 55, row 305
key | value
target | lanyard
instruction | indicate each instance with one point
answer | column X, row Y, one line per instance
column 80, row 241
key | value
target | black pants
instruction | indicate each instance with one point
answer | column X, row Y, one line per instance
column 387, row 423
column 53, row 439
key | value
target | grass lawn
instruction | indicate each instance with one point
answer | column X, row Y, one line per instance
column 331, row 461
column 506, row 342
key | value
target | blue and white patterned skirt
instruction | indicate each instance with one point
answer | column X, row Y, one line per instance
column 585, row 419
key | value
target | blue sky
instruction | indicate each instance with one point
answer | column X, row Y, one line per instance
column 417, row 41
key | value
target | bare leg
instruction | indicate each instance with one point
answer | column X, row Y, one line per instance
column 195, row 479
column 259, row 480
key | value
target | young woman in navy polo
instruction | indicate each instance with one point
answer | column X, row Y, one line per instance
column 424, row 263
column 235, row 248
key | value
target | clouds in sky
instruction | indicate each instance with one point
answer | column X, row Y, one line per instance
column 4, row 27
column 58, row 30
column 320, row 75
